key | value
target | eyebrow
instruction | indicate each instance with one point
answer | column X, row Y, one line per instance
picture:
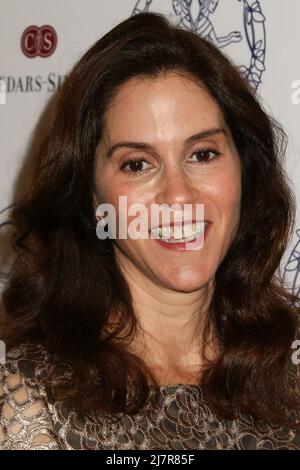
column 145, row 146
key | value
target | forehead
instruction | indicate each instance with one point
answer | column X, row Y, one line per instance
column 165, row 102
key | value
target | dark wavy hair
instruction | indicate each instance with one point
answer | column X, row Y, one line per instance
column 65, row 288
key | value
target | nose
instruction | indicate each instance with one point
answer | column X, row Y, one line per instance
column 175, row 187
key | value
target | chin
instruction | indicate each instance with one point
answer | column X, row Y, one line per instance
column 188, row 282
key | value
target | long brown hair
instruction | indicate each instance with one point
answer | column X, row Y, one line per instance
column 65, row 285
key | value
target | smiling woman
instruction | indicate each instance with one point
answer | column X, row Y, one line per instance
column 141, row 343
column 181, row 139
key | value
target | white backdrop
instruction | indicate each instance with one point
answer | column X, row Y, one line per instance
column 30, row 82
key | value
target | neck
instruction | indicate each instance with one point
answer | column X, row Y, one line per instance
column 170, row 323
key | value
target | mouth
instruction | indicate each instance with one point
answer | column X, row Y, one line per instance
column 179, row 233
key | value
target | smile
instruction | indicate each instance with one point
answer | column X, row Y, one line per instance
column 174, row 235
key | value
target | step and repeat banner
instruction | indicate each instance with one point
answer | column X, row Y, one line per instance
column 41, row 39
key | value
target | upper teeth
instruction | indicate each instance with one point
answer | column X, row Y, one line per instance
column 189, row 230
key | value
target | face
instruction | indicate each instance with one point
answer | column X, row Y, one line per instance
column 166, row 118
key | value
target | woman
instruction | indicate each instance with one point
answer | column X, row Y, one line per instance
column 131, row 343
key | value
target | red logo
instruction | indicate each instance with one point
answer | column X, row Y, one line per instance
column 37, row 41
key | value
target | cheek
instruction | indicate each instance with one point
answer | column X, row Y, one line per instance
column 226, row 192
column 230, row 194
column 134, row 193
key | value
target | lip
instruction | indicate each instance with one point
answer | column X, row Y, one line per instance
column 179, row 222
column 186, row 246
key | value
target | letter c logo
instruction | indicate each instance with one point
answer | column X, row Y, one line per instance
column 37, row 41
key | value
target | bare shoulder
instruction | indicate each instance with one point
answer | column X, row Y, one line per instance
column 25, row 419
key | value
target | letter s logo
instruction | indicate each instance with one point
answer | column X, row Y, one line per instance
column 37, row 41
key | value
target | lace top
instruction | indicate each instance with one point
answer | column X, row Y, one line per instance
column 179, row 419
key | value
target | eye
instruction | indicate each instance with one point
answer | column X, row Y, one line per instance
column 135, row 166
column 205, row 155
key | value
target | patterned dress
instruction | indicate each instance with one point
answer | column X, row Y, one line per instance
column 179, row 419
